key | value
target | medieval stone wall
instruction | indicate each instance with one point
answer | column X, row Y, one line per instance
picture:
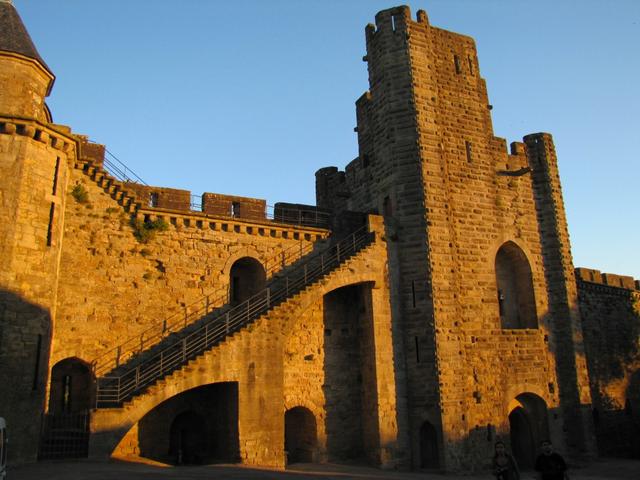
column 165, row 278
column 610, row 311
column 462, row 318
column 280, row 362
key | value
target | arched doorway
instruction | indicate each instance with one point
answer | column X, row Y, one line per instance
column 65, row 427
column 72, row 387
column 351, row 394
column 197, row 426
column 247, row 278
column 300, row 435
column 429, row 456
column 522, row 443
column 528, row 426
column 516, row 302
column 188, row 439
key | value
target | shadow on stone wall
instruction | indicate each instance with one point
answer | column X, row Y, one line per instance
column 199, row 426
column 611, row 325
column 351, row 403
column 25, row 339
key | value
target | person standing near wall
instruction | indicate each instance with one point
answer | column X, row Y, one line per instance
column 505, row 466
column 549, row 464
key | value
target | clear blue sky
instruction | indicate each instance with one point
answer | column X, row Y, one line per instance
column 251, row 97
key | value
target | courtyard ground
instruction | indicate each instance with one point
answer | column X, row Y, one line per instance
column 602, row 469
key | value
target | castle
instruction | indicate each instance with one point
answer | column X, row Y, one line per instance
column 425, row 307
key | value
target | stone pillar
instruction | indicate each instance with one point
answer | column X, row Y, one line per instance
column 566, row 339
column 382, row 357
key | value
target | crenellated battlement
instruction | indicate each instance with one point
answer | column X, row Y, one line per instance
column 57, row 137
column 222, row 213
column 609, row 279
column 395, row 20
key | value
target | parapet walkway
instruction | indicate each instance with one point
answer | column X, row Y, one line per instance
column 607, row 469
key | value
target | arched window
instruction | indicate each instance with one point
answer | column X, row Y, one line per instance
column 72, row 387
column 516, row 302
column 247, row 278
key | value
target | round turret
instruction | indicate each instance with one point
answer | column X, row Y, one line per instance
column 25, row 79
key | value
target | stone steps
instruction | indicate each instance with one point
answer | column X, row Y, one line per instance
column 284, row 309
column 111, row 186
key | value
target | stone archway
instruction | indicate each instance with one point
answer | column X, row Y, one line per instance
column 188, row 439
column 196, row 426
column 522, row 443
column 350, row 390
column 528, row 426
column 72, row 387
column 300, row 435
column 429, row 455
column 247, row 277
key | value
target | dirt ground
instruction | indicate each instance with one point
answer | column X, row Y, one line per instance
column 602, row 469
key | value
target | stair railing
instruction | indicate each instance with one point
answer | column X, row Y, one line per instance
column 113, row 390
column 188, row 315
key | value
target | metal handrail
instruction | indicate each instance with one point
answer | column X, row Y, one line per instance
column 189, row 314
column 292, row 216
column 119, row 170
column 114, row 389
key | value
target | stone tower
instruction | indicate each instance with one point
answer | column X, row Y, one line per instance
column 483, row 296
column 34, row 156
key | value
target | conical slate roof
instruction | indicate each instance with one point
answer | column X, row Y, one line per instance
column 14, row 37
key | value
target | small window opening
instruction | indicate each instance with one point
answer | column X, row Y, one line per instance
column 413, row 293
column 36, row 369
column 387, row 207
column 54, row 189
column 153, row 199
column 417, row 350
column 365, row 161
column 66, row 393
column 52, row 212
column 456, row 62
column 470, row 65
column 235, row 209
column 467, row 146
column 393, row 22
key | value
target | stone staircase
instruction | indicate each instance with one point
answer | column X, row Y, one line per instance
column 198, row 312
column 176, row 353
column 116, row 189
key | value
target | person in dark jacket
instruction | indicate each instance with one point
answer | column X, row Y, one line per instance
column 504, row 465
column 549, row 464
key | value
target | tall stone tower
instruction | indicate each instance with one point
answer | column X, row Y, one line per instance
column 487, row 331
column 34, row 156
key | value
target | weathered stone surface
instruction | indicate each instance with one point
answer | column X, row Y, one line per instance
column 610, row 314
column 461, row 322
